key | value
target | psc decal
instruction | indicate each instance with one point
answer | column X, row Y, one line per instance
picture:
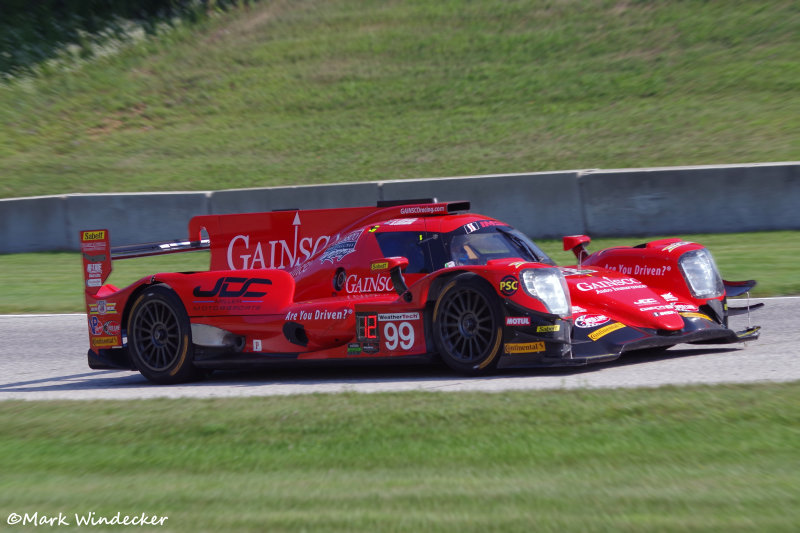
column 509, row 285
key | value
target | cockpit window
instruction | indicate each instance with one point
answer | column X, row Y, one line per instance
column 494, row 242
column 468, row 245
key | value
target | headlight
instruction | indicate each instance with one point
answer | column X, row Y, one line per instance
column 549, row 286
column 701, row 274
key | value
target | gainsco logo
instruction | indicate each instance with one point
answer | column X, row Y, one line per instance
column 591, row 321
column 360, row 285
column 518, row 321
column 243, row 254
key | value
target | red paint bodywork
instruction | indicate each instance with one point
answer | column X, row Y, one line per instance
column 296, row 284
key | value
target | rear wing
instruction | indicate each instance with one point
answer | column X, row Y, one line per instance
column 277, row 239
column 98, row 254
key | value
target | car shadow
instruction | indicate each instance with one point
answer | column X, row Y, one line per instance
column 330, row 373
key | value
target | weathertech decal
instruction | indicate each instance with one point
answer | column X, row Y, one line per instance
column 602, row 332
column 526, row 347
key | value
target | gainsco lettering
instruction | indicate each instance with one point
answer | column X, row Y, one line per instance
column 591, row 321
column 359, row 285
column 607, row 283
column 242, row 255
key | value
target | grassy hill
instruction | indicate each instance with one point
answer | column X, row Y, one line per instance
column 319, row 91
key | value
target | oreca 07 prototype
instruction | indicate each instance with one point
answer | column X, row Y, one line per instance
column 399, row 281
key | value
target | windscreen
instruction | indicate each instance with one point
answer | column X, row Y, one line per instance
column 471, row 245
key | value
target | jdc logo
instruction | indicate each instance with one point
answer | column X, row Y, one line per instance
column 227, row 288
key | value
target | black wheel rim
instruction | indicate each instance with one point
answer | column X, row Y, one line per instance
column 466, row 325
column 156, row 335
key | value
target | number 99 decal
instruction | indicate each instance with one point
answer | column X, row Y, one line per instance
column 401, row 335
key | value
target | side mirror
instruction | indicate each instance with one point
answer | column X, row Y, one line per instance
column 394, row 266
column 577, row 243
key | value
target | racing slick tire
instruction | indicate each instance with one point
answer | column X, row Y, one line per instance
column 160, row 337
column 467, row 325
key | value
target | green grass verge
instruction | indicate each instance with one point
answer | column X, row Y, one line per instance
column 317, row 91
column 672, row 459
column 51, row 282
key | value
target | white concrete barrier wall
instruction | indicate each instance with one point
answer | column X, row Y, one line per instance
column 632, row 202
column 714, row 199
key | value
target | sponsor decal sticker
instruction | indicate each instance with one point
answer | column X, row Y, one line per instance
column 374, row 228
column 548, row 329
column 318, row 314
column 371, row 347
column 93, row 236
column 420, row 210
column 397, row 317
column 591, row 321
column 256, row 345
column 641, row 270
column 674, row 246
column 401, row 222
column 94, row 282
column 576, row 272
column 111, row 327
column 104, row 341
column 685, row 307
column 602, row 332
column 233, row 287
column 646, row 301
column 360, row 285
column 606, row 284
column 516, row 264
column 525, row 347
column 379, row 265
column 103, row 308
column 669, row 297
column 354, row 348
column 343, row 248
column 695, row 315
column 509, row 285
column 518, row 321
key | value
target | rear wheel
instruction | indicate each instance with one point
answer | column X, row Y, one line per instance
column 159, row 337
column 466, row 325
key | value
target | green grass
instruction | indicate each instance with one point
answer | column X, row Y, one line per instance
column 51, row 282
column 319, row 91
column 672, row 459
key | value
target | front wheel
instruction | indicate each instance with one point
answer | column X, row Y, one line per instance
column 467, row 325
column 159, row 337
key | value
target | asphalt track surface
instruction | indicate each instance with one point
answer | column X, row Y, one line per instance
column 43, row 357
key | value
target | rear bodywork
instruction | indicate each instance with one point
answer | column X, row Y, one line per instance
column 396, row 282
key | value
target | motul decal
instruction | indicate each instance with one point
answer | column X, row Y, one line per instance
column 233, row 287
column 518, row 321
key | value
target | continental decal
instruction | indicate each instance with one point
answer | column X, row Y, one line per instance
column 526, row 347
column 602, row 332
column 104, row 341
column 695, row 315
column 93, row 236
column 548, row 329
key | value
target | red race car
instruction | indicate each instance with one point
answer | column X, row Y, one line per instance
column 400, row 281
